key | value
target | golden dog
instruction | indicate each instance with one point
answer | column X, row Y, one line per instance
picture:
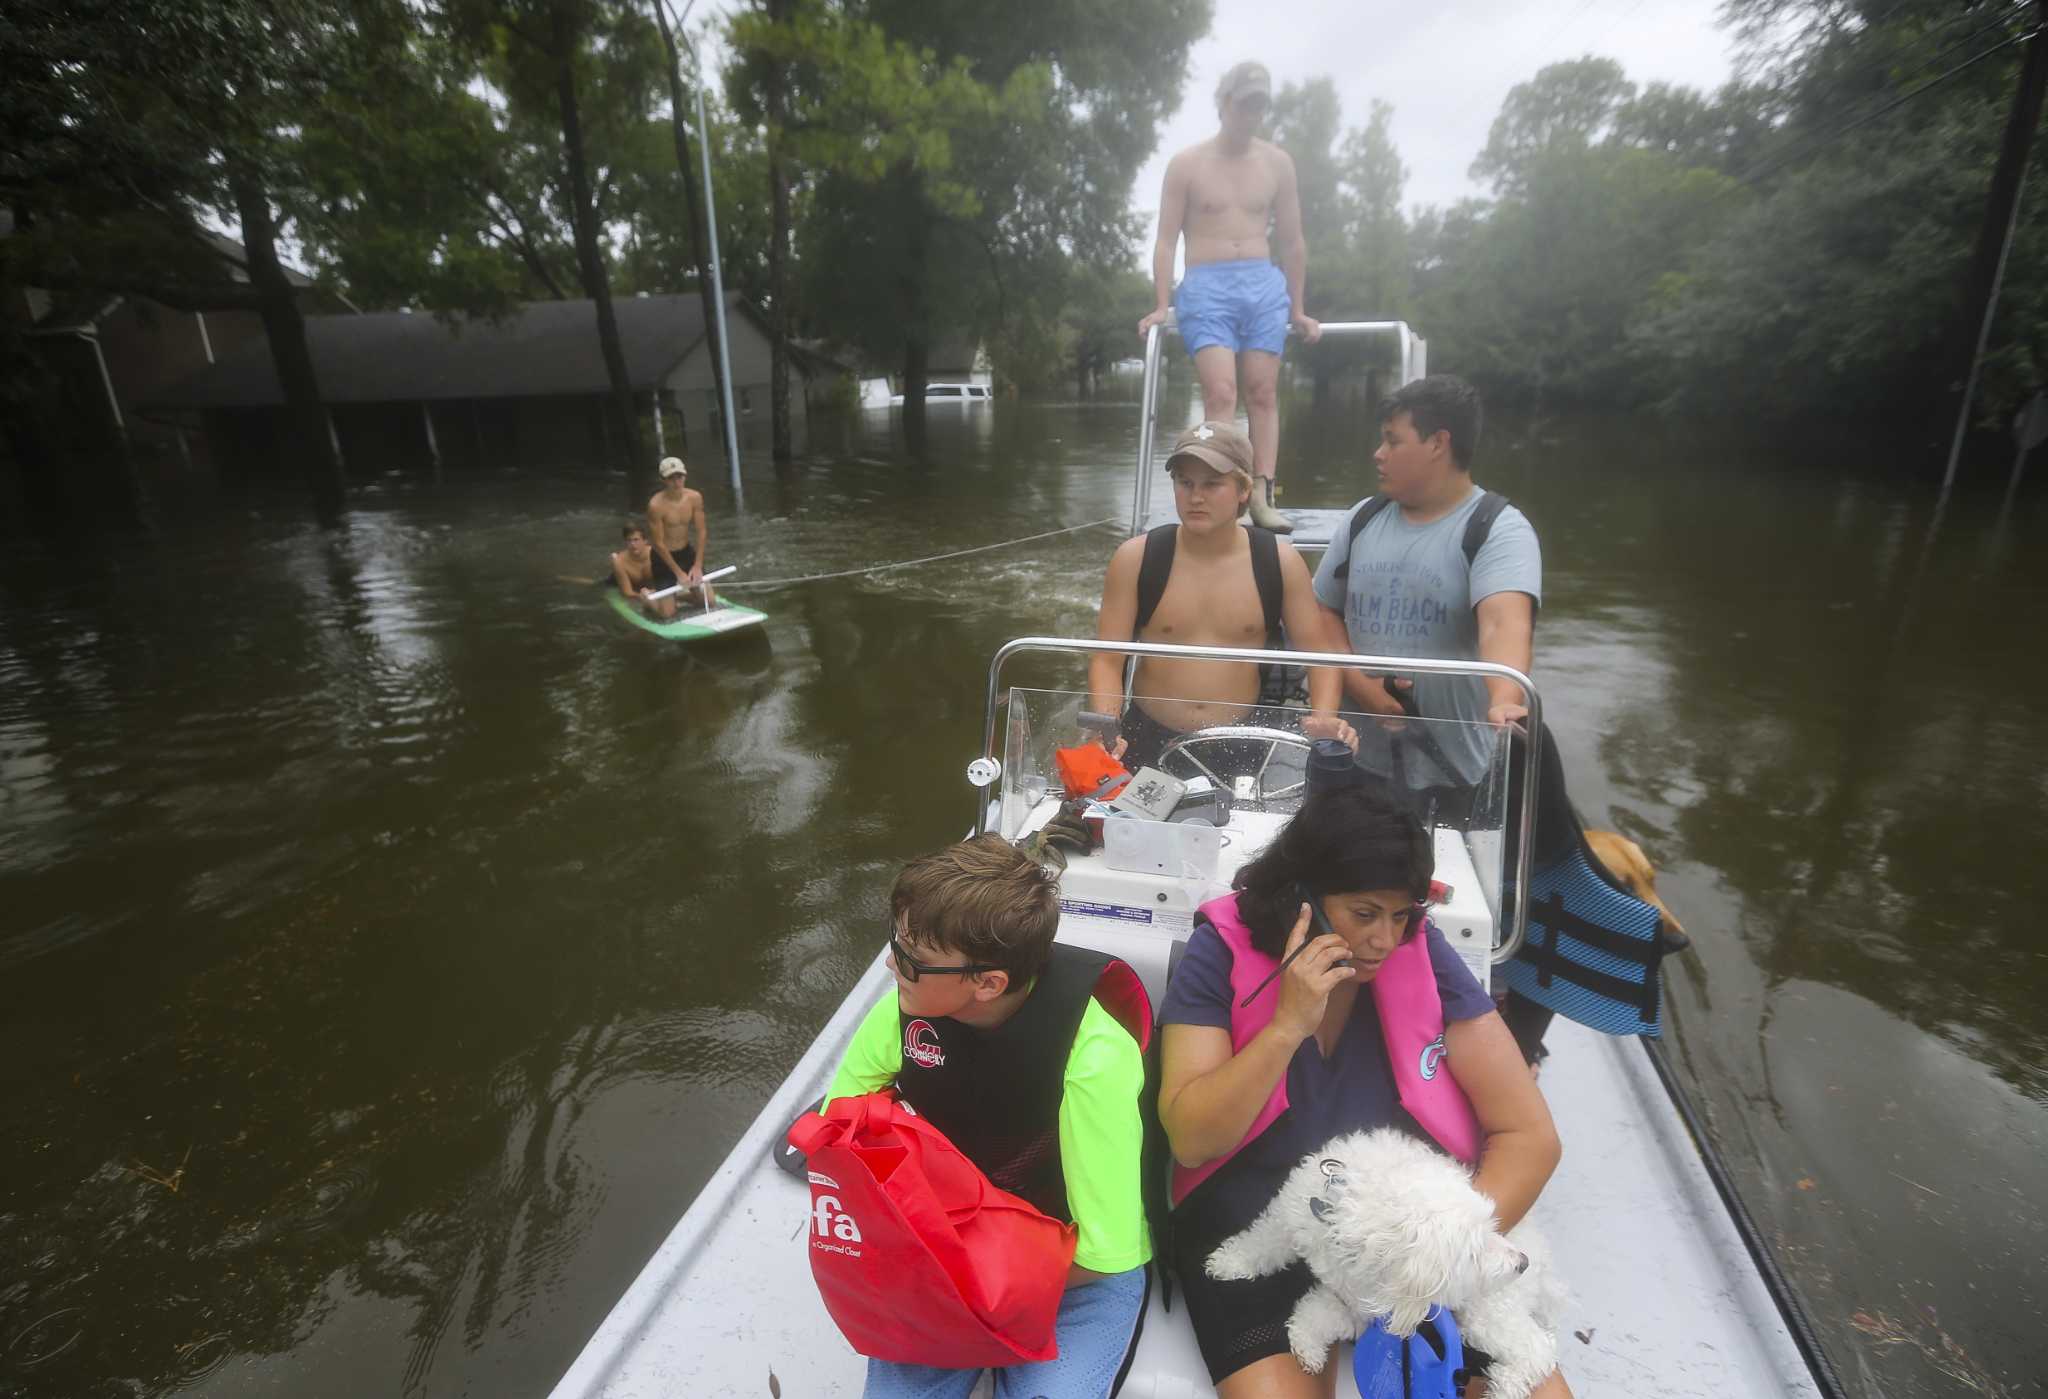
column 1626, row 861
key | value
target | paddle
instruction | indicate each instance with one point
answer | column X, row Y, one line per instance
column 711, row 577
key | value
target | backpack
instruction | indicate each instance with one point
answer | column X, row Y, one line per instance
column 1491, row 503
column 1275, row 682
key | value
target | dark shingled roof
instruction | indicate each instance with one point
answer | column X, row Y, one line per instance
column 544, row 347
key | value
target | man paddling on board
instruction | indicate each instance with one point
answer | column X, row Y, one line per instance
column 1208, row 581
column 1235, row 306
column 673, row 514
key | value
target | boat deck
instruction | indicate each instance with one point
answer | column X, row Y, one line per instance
column 1666, row 1300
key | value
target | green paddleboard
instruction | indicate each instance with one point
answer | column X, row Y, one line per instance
column 691, row 623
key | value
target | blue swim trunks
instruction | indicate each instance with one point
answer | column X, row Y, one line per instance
column 1239, row 305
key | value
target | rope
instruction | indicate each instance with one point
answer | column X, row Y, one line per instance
column 750, row 585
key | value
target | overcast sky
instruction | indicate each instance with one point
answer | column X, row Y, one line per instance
column 1445, row 66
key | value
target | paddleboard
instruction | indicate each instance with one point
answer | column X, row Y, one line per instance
column 691, row 623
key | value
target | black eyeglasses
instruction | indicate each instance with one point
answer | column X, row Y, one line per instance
column 912, row 969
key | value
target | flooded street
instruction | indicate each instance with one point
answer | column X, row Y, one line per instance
column 392, row 941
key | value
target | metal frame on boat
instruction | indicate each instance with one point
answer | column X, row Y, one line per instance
column 1525, row 818
column 1414, row 363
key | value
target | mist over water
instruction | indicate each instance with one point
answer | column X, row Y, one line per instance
column 392, row 941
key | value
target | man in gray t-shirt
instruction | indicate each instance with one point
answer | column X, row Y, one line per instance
column 1409, row 590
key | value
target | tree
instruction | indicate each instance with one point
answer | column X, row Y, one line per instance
column 760, row 86
column 1566, row 106
column 568, row 64
column 1837, row 280
column 411, row 191
column 124, row 127
column 961, row 152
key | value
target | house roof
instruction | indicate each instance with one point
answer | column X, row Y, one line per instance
column 541, row 348
column 79, row 310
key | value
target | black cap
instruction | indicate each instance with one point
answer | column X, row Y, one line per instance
column 1331, row 765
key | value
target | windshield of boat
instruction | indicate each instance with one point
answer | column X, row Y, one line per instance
column 1451, row 775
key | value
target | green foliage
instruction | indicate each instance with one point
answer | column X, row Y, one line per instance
column 1836, row 284
column 965, row 158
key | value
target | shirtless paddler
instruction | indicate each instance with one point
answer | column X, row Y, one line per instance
column 1234, row 305
column 1211, row 597
column 674, row 514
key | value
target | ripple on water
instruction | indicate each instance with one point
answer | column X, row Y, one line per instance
column 1883, row 947
column 200, row 1358
column 47, row 1337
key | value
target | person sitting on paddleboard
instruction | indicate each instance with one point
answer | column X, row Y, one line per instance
column 1208, row 581
column 674, row 513
column 997, row 1037
column 633, row 571
column 1375, row 1023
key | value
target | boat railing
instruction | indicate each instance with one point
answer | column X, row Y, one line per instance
column 1524, row 816
column 1414, row 357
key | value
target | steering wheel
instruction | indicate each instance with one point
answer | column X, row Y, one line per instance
column 1187, row 747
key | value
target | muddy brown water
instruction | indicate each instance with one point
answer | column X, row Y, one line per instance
column 392, row 941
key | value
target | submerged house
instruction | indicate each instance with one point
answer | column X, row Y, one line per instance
column 409, row 391
column 111, row 352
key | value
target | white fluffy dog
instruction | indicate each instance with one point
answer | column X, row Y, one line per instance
column 1389, row 1225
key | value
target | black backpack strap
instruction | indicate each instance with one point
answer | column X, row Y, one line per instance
column 1480, row 524
column 1266, row 573
column 1360, row 518
column 1152, row 573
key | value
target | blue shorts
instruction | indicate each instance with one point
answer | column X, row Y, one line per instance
column 1095, row 1327
column 1239, row 305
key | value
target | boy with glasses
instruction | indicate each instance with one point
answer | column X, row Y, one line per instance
column 1002, row 1040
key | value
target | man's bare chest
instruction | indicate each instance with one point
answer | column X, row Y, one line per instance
column 1211, row 607
column 1233, row 189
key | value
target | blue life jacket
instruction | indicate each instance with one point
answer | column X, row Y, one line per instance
column 1424, row 1366
column 1592, row 951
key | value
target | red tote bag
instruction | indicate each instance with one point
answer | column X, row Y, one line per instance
column 920, row 1258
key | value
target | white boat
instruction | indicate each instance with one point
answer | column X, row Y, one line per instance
column 962, row 394
column 875, row 393
column 1674, row 1292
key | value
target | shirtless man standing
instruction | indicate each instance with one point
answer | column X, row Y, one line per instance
column 1234, row 305
column 673, row 514
column 1211, row 598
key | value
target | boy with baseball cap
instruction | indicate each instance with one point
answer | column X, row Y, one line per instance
column 1208, row 581
column 674, row 514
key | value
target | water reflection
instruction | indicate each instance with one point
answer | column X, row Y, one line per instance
column 444, row 932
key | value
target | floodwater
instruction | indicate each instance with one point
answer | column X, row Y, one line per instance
column 392, row 941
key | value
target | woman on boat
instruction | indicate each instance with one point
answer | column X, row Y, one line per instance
column 1352, row 1035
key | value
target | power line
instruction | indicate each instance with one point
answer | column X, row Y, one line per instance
column 1770, row 163
column 745, row 586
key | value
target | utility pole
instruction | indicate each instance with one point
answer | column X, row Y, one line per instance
column 1994, row 237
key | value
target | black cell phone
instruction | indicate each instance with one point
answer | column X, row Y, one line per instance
column 1318, row 921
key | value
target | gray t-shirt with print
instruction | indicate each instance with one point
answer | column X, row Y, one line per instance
column 1410, row 594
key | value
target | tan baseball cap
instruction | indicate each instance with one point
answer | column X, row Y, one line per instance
column 673, row 466
column 1219, row 446
column 1243, row 80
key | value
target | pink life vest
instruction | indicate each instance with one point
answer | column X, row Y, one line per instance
column 1411, row 1025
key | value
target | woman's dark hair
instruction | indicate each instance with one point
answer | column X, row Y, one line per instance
column 1342, row 841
